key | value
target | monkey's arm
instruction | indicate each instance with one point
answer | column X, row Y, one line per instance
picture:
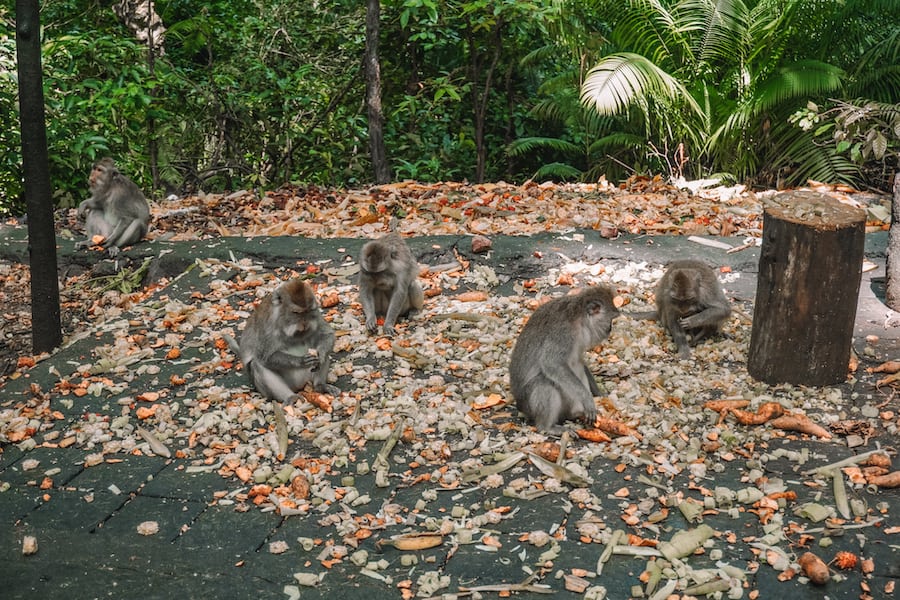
column 281, row 360
column 87, row 205
column 367, row 299
column 572, row 388
column 399, row 304
column 125, row 232
column 711, row 315
column 592, row 383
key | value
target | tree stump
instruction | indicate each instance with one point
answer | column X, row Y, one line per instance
column 810, row 268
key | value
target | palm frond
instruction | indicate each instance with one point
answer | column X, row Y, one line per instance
column 557, row 171
column 616, row 141
column 624, row 78
column 801, row 80
column 530, row 144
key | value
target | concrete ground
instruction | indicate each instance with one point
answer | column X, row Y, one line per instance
column 85, row 520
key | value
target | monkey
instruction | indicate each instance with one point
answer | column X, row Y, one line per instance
column 287, row 343
column 117, row 209
column 547, row 374
column 689, row 302
column 388, row 283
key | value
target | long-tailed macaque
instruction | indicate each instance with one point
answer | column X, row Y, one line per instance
column 690, row 303
column 117, row 209
column 287, row 344
column 388, row 283
column 547, row 374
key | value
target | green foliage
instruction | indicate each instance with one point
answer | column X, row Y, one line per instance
column 723, row 77
column 262, row 92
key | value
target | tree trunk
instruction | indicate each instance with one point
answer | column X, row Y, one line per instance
column 373, row 94
column 892, row 292
column 46, row 332
column 810, row 268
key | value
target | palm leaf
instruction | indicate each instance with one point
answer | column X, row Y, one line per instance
column 557, row 170
column 624, row 78
column 527, row 145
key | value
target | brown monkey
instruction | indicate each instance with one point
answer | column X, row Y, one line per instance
column 287, row 344
column 388, row 283
column 116, row 210
column 690, row 302
column 547, row 374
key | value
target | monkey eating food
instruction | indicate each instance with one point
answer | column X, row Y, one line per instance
column 287, row 343
column 117, row 210
column 388, row 282
column 690, row 303
column 547, row 374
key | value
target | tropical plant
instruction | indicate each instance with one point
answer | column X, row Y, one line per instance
column 722, row 78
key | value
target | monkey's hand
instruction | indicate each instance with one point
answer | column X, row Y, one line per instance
column 309, row 361
column 693, row 321
column 372, row 324
column 327, row 388
column 389, row 330
column 590, row 413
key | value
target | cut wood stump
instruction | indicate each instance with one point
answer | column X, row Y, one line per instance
column 810, row 268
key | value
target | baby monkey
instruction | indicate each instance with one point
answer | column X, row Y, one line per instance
column 547, row 374
column 690, row 302
column 287, row 344
column 117, row 209
column 388, row 283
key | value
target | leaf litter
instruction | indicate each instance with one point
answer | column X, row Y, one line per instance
column 430, row 409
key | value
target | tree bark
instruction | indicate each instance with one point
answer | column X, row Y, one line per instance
column 810, row 268
column 46, row 332
column 377, row 150
column 892, row 291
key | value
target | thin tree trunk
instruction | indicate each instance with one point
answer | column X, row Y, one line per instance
column 377, row 150
column 892, row 291
column 46, row 332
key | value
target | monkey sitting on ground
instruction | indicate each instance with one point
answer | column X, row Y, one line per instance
column 547, row 374
column 388, row 283
column 689, row 302
column 117, row 209
column 287, row 344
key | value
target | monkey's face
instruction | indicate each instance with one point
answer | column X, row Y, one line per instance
column 375, row 259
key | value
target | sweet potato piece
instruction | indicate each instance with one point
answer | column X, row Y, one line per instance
column 814, row 568
column 764, row 413
column 801, row 423
column 890, row 480
column 720, row 405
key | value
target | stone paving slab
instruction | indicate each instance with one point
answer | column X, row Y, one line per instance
column 206, row 549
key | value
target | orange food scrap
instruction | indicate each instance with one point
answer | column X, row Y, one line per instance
column 25, row 361
column 593, row 435
column 320, row 401
column 615, row 427
column 889, row 480
column 383, row 343
column 491, row 400
column 145, row 412
column 763, row 414
column 173, row 353
column 243, row 473
column 801, row 423
column 221, row 344
column 472, row 296
column 148, row 396
column 846, row 560
column 97, row 239
column 814, row 568
column 722, row 405
column 330, row 300
column 46, row 483
column 176, row 380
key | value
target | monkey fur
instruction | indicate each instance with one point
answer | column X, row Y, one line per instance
column 117, row 209
column 690, row 303
column 388, row 282
column 287, row 344
column 547, row 374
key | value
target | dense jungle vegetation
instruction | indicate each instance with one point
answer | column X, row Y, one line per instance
column 259, row 93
